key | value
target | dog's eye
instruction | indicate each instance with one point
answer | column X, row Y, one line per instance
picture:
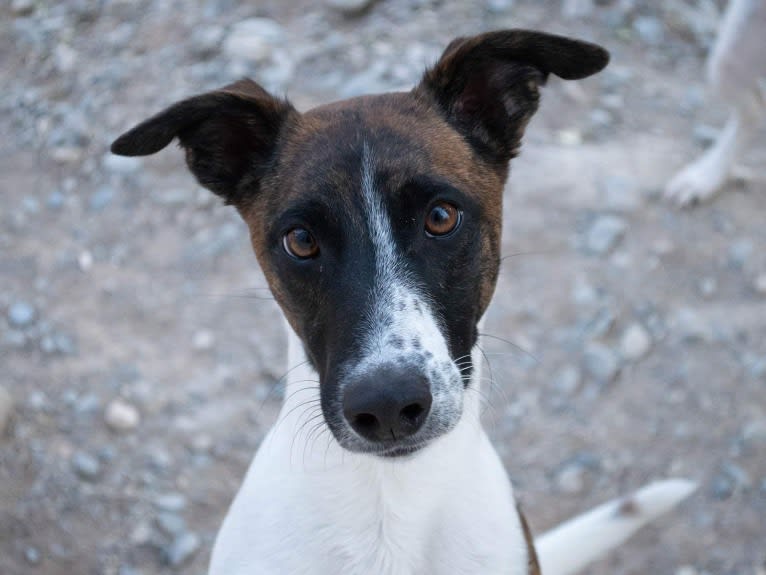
column 443, row 219
column 299, row 243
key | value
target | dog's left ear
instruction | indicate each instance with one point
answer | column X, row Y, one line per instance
column 487, row 86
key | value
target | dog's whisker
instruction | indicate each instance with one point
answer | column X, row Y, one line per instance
column 532, row 253
column 513, row 345
column 277, row 382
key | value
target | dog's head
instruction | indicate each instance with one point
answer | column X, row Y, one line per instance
column 377, row 220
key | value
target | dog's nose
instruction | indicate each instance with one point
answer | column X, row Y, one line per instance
column 388, row 404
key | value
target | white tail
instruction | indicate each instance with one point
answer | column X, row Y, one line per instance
column 572, row 545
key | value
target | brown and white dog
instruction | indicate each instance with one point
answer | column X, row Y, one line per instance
column 377, row 223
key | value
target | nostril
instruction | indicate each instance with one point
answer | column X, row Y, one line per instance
column 365, row 422
column 411, row 413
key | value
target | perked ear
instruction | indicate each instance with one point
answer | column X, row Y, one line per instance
column 487, row 85
column 229, row 136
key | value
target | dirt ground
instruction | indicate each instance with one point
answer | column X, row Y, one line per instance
column 141, row 353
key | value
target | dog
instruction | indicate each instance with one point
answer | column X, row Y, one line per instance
column 377, row 222
column 736, row 71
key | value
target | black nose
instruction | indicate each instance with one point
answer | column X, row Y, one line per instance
column 389, row 404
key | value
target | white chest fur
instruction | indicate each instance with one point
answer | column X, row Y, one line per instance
column 309, row 507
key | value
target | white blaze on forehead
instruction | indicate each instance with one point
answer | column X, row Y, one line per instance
column 401, row 323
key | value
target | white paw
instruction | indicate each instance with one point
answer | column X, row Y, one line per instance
column 697, row 182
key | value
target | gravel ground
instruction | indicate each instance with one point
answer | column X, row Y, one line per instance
column 140, row 358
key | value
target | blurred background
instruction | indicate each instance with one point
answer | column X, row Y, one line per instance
column 140, row 351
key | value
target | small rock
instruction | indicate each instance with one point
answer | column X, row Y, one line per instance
column 172, row 501
column 253, row 40
column 55, row 200
column 21, row 314
column 85, row 260
column 704, row 134
column 739, row 252
column 649, row 30
column 182, row 549
column 567, row 381
column 729, row 480
column 605, row 233
column 22, row 7
column 601, row 363
column 499, row 6
column 754, row 434
column 101, row 199
column 692, row 327
column 203, row 340
column 686, row 570
column 32, row 555
column 86, row 466
column 573, row 474
column 6, row 411
column 350, row 6
column 760, row 284
column 121, row 415
column 206, row 40
column 570, row 138
column 121, row 164
column 708, row 287
column 635, row 342
column 171, row 524
column 754, row 364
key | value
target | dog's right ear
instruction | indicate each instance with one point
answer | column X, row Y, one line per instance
column 229, row 136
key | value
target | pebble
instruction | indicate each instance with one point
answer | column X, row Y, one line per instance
column 172, row 501
column 203, row 340
column 171, row 524
column 739, row 252
column 686, row 570
column 121, row 164
column 708, row 287
column 572, row 476
column 604, row 234
column 121, row 415
column 86, row 466
column 569, row 138
column 350, row 6
column 730, row 479
column 499, row 6
column 21, row 314
column 101, row 198
column 206, row 40
column 760, row 284
column 692, row 327
column 85, row 260
column 753, row 434
column 567, row 380
column 601, row 363
column 22, row 7
column 649, row 30
column 6, row 411
column 32, row 555
column 635, row 342
column 182, row 549
column 253, row 40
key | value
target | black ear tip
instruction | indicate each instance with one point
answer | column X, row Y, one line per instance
column 588, row 59
column 141, row 141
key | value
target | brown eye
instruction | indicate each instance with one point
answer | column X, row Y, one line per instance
column 300, row 244
column 442, row 219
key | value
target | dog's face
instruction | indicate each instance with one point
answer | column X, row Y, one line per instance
column 377, row 220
